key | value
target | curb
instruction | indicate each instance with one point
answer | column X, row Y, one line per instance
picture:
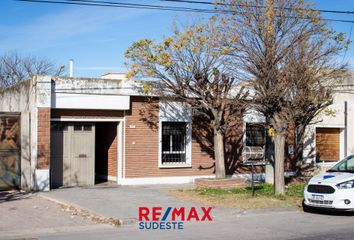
column 84, row 212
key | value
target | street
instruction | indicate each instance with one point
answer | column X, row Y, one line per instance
column 35, row 216
column 256, row 225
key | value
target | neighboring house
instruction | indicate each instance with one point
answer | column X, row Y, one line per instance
column 82, row 131
column 330, row 138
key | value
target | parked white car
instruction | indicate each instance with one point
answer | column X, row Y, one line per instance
column 333, row 189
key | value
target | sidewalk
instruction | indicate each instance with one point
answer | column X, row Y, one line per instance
column 28, row 215
column 122, row 202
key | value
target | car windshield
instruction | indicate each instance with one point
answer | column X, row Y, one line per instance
column 346, row 165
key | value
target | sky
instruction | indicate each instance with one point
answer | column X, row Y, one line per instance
column 97, row 37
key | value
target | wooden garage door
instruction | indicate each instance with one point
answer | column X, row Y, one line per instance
column 327, row 144
column 10, row 151
column 72, row 154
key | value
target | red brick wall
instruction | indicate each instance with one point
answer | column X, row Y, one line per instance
column 112, row 158
column 142, row 146
column 106, row 149
column 79, row 113
column 43, row 157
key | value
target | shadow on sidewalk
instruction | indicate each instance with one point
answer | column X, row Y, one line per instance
column 6, row 196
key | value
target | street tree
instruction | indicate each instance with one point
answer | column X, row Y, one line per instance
column 15, row 67
column 191, row 66
column 288, row 54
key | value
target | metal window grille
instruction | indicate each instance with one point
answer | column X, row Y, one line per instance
column 173, row 142
column 255, row 135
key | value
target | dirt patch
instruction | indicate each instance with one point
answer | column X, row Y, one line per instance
column 86, row 214
column 220, row 183
column 241, row 198
column 89, row 215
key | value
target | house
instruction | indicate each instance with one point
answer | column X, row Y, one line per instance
column 331, row 136
column 82, row 131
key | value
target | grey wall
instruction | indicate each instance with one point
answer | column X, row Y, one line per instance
column 18, row 98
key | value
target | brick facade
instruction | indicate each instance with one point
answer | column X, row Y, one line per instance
column 112, row 157
column 79, row 113
column 106, row 135
column 43, row 157
column 106, row 149
column 141, row 145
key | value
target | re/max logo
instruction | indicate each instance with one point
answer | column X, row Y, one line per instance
column 171, row 217
column 176, row 214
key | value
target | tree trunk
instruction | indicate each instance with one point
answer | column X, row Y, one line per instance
column 219, row 154
column 279, row 182
column 299, row 147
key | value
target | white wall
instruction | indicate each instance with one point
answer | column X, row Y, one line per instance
column 20, row 98
column 333, row 117
column 90, row 101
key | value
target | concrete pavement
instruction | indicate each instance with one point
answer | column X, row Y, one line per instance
column 30, row 215
column 122, row 202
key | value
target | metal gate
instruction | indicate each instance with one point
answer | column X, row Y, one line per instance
column 10, row 151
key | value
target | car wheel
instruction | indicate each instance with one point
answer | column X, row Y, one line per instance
column 305, row 208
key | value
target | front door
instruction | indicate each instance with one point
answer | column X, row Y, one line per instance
column 83, row 155
column 72, row 154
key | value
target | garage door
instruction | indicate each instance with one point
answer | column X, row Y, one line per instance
column 327, row 144
column 10, row 149
column 72, row 154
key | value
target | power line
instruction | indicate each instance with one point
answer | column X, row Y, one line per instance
column 148, row 6
column 120, row 5
column 287, row 8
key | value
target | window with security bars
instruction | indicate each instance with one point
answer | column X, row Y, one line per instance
column 255, row 135
column 173, row 142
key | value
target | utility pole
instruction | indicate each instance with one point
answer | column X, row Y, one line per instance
column 345, row 129
column 270, row 54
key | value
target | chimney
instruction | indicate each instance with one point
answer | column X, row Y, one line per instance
column 71, row 68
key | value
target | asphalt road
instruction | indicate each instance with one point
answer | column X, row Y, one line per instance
column 32, row 217
column 261, row 224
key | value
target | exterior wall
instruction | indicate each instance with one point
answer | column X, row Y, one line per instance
column 142, row 145
column 32, row 99
column 42, row 95
column 333, row 117
column 15, row 98
column 108, row 133
column 139, row 129
column 43, row 139
column 106, row 150
column 88, row 85
column 252, row 116
column 19, row 98
column 67, row 114
column 112, row 158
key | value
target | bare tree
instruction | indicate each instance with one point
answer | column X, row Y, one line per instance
column 313, row 92
column 15, row 68
column 190, row 66
column 289, row 55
